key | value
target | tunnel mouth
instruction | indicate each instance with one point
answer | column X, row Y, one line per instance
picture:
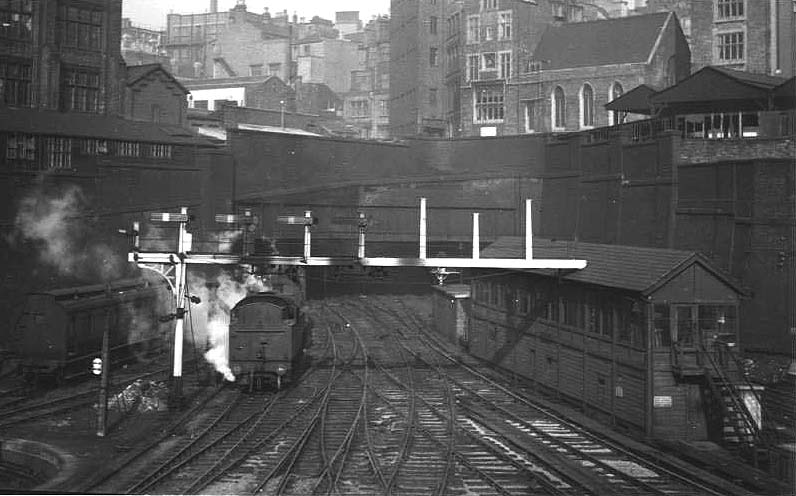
column 31, row 465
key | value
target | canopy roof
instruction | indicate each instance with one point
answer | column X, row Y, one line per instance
column 711, row 89
column 716, row 89
column 635, row 101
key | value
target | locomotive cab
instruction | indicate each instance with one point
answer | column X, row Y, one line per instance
column 265, row 338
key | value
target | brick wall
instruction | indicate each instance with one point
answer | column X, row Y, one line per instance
column 156, row 98
column 703, row 151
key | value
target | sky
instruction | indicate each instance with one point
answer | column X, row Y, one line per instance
column 152, row 13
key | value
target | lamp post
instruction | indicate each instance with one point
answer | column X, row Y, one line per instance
column 282, row 106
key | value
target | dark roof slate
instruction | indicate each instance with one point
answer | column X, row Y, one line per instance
column 632, row 268
column 84, row 125
column 605, row 42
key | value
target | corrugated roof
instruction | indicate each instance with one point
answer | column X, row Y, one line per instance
column 84, row 125
column 605, row 42
column 617, row 266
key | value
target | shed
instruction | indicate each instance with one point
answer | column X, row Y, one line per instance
column 450, row 312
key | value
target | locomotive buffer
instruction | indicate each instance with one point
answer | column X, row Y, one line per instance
column 174, row 265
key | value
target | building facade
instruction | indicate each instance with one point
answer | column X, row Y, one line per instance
column 141, row 45
column 153, row 94
column 416, row 69
column 62, row 55
column 554, row 90
column 750, row 35
column 367, row 105
column 261, row 92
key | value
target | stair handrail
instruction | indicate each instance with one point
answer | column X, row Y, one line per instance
column 737, row 402
column 724, row 348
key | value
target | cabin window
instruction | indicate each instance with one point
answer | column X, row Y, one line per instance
column 717, row 322
column 662, row 334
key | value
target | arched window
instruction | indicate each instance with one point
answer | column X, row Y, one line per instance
column 586, row 106
column 559, row 108
column 617, row 90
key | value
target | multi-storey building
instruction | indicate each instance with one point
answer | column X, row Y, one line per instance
column 752, row 35
column 347, row 22
column 454, row 46
column 328, row 61
column 416, row 69
column 499, row 39
column 188, row 35
column 559, row 90
column 366, row 106
column 61, row 55
column 142, row 45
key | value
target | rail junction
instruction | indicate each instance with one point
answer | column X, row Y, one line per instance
column 382, row 407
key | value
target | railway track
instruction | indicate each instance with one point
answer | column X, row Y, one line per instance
column 584, row 459
column 384, row 409
column 19, row 410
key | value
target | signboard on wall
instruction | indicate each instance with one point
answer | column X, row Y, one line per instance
column 662, row 402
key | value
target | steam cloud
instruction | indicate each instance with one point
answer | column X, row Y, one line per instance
column 210, row 319
column 56, row 227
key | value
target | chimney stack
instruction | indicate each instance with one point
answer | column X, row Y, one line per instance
column 214, row 6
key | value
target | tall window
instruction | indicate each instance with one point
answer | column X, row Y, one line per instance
column 16, row 19
column 473, row 29
column 473, row 60
column 488, row 105
column 21, row 150
column 615, row 118
column 505, row 65
column 729, row 9
column 530, row 109
column 15, row 83
column 559, row 108
column 489, row 61
column 80, row 90
column 504, row 26
column 57, row 153
column 432, row 56
column 730, row 47
column 432, row 25
column 81, row 28
column 586, row 106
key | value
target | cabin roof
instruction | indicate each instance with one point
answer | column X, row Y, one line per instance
column 640, row 269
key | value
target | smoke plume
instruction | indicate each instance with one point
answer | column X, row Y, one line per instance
column 57, row 226
column 210, row 318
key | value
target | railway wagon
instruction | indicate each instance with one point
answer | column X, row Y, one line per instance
column 61, row 331
column 266, row 339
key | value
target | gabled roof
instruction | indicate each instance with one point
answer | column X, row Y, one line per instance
column 137, row 72
column 85, row 125
column 635, row 101
column 605, row 42
column 633, row 268
column 715, row 88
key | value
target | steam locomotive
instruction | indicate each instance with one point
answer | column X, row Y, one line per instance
column 61, row 331
column 266, row 339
